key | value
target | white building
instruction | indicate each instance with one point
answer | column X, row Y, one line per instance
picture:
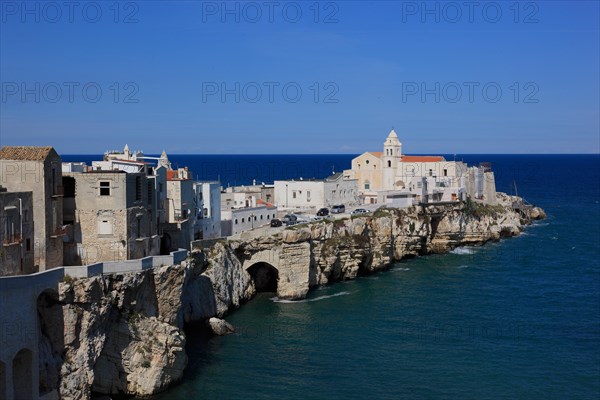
column 391, row 170
column 316, row 193
column 208, row 201
column 238, row 220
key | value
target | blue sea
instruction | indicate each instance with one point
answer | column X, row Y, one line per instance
column 517, row 319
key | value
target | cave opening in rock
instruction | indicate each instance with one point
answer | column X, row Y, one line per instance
column 265, row 277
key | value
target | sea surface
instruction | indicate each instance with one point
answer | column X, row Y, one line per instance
column 517, row 319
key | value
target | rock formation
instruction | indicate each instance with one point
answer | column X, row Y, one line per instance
column 123, row 333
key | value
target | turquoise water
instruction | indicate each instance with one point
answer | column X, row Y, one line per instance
column 515, row 319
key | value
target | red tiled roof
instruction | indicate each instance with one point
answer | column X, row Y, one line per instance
column 262, row 202
column 171, row 174
column 377, row 154
column 422, row 158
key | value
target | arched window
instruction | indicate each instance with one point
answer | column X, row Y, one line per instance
column 389, row 164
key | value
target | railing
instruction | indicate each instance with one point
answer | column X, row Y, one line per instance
column 59, row 191
column 12, row 239
column 60, row 231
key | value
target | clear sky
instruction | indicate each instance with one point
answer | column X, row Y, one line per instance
column 301, row 77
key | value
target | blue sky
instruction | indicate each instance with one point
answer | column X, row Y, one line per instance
column 501, row 77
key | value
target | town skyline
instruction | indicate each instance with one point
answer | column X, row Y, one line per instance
column 330, row 81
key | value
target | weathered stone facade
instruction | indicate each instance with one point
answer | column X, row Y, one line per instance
column 111, row 218
column 16, row 233
column 38, row 170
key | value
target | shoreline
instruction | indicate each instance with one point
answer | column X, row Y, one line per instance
column 124, row 333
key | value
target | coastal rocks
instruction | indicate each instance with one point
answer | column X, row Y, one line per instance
column 220, row 326
column 122, row 334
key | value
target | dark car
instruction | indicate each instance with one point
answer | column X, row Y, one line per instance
column 276, row 222
column 323, row 212
column 338, row 209
column 289, row 217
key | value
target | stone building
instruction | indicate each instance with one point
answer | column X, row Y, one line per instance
column 37, row 169
column 110, row 216
column 181, row 209
column 238, row 220
column 208, row 202
column 391, row 170
column 16, row 233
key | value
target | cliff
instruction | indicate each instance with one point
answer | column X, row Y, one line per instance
column 124, row 333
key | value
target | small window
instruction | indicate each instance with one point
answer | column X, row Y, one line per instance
column 445, row 172
column 243, row 220
column 308, row 195
column 367, row 162
column 236, row 221
column 367, row 185
column 389, row 164
column 261, row 217
column 430, row 172
column 104, row 227
column 104, row 188
column 294, row 194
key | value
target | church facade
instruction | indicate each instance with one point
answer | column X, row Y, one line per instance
column 392, row 170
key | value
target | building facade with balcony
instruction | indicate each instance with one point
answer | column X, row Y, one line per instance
column 37, row 169
column 109, row 216
column 16, row 233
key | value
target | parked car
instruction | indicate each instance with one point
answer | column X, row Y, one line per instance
column 338, row 209
column 359, row 211
column 289, row 217
column 276, row 222
column 323, row 212
column 290, row 223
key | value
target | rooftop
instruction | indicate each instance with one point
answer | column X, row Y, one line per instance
column 26, row 153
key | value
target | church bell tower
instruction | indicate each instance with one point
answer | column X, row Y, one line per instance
column 392, row 154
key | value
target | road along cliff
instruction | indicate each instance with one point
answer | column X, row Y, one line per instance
column 124, row 333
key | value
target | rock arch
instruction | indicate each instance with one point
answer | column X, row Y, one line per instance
column 265, row 276
column 22, row 375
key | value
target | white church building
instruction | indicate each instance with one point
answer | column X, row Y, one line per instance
column 390, row 173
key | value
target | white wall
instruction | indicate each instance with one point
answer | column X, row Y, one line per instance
column 245, row 219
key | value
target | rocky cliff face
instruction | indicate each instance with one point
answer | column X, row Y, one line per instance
column 123, row 333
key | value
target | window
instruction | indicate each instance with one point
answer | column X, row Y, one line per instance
column 367, row 185
column 9, row 227
column 28, row 245
column 243, row 220
column 308, row 195
column 105, row 226
column 430, row 172
column 105, row 188
column 261, row 217
column 389, row 164
column 138, row 188
column 367, row 162
column 294, row 194
column 445, row 172
column 236, row 221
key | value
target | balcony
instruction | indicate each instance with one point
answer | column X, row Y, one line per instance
column 59, row 191
column 11, row 240
column 58, row 232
